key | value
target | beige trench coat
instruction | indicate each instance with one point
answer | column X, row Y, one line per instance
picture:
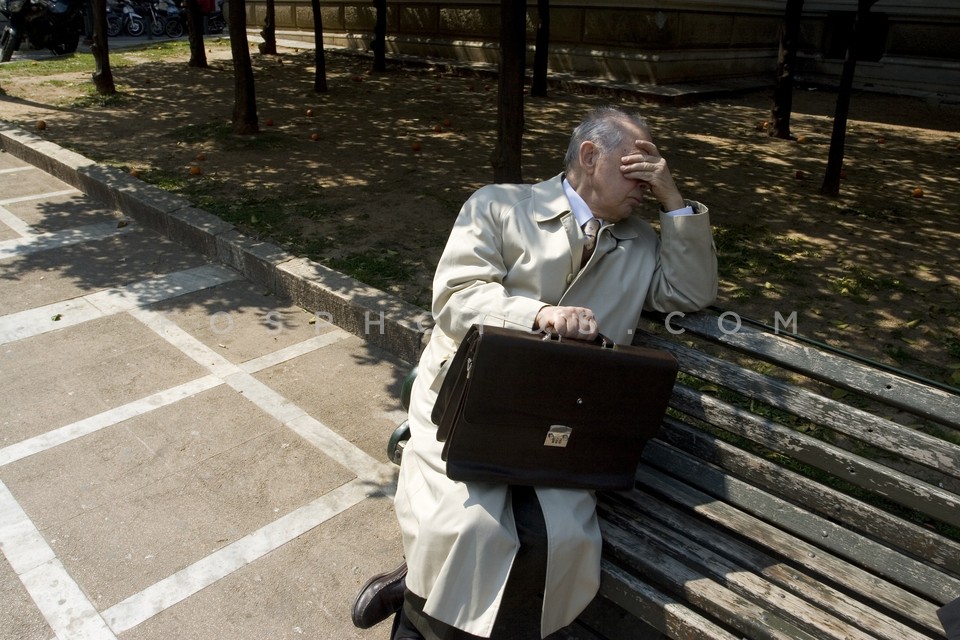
column 514, row 249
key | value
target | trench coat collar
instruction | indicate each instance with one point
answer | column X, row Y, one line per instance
column 550, row 202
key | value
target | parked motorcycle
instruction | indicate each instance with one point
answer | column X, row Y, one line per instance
column 163, row 17
column 170, row 17
column 46, row 24
column 123, row 17
column 173, row 22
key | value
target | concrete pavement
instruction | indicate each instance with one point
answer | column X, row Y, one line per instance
column 185, row 451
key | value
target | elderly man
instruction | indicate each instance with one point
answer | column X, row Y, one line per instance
column 567, row 256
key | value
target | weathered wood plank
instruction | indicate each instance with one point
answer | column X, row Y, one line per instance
column 661, row 611
column 937, row 454
column 699, row 591
column 827, row 501
column 576, row 631
column 608, row 621
column 789, row 577
column 910, row 395
column 894, row 485
column 707, row 488
column 734, row 576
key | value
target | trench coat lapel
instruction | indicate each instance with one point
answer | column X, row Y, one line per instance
column 550, row 203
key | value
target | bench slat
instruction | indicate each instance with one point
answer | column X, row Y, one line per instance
column 821, row 536
column 715, row 600
column 859, row 471
column 576, row 631
column 659, row 610
column 828, row 502
column 914, row 445
column 603, row 619
column 734, row 576
column 785, row 576
column 816, row 561
column 916, row 397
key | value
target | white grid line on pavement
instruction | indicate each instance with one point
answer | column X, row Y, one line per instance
column 330, row 443
column 163, row 398
column 39, row 196
column 41, row 571
column 17, row 169
column 161, row 288
column 206, row 571
column 59, row 315
column 191, row 347
column 58, row 597
column 59, row 239
column 16, row 224
column 64, row 605
column 295, row 350
column 62, row 435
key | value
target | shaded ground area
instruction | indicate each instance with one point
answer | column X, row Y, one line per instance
column 338, row 177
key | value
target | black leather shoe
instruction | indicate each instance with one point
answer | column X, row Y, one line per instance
column 380, row 597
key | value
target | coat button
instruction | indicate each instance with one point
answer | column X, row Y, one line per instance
column 569, row 278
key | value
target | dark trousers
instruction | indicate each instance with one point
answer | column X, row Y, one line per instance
column 522, row 603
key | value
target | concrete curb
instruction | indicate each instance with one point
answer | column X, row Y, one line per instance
column 378, row 317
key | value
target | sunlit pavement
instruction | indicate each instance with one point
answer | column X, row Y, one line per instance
column 182, row 455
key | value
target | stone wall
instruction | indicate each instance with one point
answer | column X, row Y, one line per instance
column 657, row 42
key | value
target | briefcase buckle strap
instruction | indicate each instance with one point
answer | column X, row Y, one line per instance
column 558, row 435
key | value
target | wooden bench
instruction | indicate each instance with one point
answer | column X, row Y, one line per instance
column 792, row 493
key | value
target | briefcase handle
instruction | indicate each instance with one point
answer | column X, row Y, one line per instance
column 601, row 340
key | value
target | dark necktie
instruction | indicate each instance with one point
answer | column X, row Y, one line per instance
column 590, row 230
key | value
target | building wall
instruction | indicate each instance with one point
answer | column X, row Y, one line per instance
column 913, row 45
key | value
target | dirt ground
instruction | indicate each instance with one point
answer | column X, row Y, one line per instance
column 336, row 177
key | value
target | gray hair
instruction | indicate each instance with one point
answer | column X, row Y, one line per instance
column 602, row 127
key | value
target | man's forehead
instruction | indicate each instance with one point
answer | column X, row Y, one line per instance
column 632, row 131
column 636, row 132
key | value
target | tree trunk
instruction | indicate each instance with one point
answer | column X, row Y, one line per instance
column 198, row 55
column 269, row 33
column 320, row 61
column 506, row 158
column 102, row 75
column 786, row 71
column 244, row 96
column 831, row 179
column 539, row 87
column 379, row 44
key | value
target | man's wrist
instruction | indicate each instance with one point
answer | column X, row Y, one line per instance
column 673, row 203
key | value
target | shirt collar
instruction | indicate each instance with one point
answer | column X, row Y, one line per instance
column 581, row 211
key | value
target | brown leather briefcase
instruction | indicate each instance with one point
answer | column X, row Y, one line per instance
column 521, row 408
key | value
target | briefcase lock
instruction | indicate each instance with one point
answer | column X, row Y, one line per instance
column 558, row 436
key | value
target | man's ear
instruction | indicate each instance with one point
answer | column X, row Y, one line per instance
column 589, row 155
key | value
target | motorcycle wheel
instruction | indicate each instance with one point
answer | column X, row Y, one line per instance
column 114, row 26
column 9, row 42
column 216, row 25
column 159, row 26
column 68, row 44
column 135, row 27
column 174, row 28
